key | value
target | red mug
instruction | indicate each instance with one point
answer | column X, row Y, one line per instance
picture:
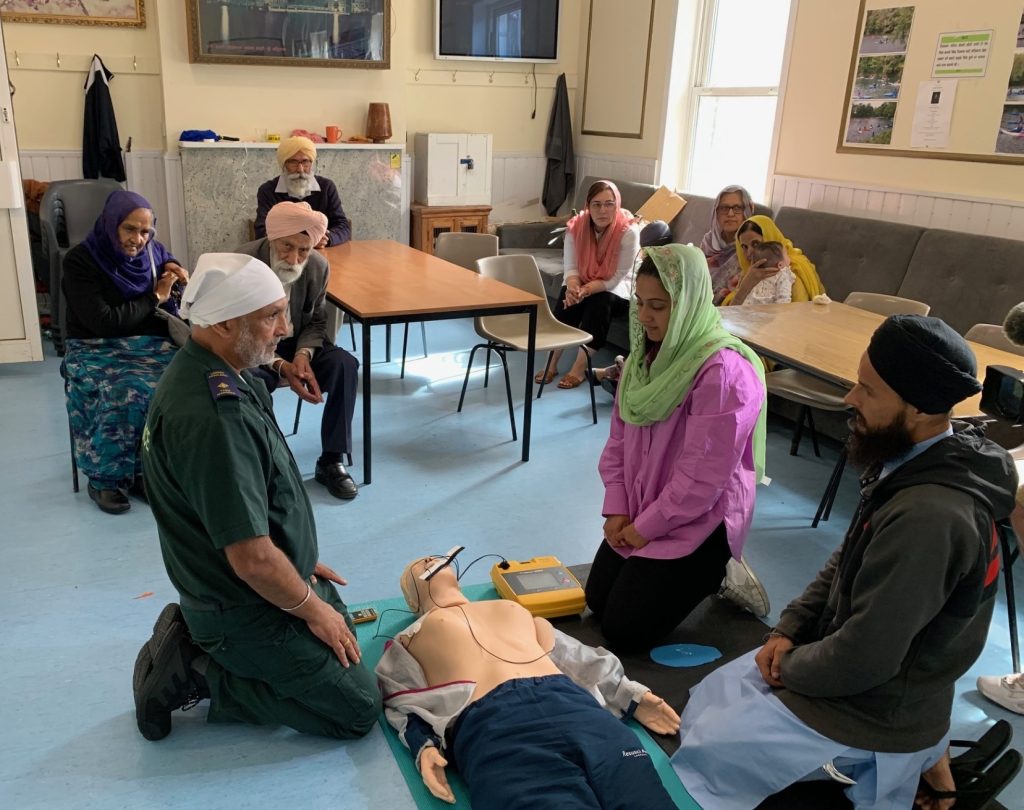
column 333, row 134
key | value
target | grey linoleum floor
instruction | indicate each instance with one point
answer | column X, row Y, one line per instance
column 71, row 620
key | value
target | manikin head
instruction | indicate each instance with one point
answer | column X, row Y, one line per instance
column 422, row 596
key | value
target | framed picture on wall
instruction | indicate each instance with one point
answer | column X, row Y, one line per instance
column 128, row 13
column 314, row 33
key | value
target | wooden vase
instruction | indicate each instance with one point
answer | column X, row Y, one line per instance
column 378, row 122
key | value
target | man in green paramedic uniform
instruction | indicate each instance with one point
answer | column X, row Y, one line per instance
column 261, row 629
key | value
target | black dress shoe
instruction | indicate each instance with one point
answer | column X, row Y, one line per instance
column 337, row 480
column 111, row 501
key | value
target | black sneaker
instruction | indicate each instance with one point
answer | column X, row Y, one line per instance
column 164, row 680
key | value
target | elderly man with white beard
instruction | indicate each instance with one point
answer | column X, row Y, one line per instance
column 308, row 361
column 297, row 156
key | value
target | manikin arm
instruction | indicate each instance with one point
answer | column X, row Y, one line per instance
column 601, row 673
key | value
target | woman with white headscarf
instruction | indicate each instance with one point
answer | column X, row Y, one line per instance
column 733, row 205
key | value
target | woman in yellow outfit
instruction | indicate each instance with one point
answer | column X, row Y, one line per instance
column 752, row 233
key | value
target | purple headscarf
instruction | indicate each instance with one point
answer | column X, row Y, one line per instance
column 133, row 275
column 713, row 246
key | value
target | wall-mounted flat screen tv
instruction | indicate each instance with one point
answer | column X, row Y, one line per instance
column 506, row 30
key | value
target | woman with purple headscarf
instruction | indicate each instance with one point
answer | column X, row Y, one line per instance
column 119, row 285
column 732, row 206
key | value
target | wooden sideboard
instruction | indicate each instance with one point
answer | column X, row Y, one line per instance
column 430, row 220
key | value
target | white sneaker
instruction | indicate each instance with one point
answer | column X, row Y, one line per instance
column 1007, row 691
column 742, row 587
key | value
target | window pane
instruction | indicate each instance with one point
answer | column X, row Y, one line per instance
column 732, row 144
column 747, row 43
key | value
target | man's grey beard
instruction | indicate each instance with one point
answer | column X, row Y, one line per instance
column 287, row 273
column 298, row 185
column 250, row 351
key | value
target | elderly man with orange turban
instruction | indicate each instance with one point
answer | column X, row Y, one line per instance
column 296, row 156
column 308, row 361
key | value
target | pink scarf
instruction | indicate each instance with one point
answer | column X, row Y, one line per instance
column 598, row 259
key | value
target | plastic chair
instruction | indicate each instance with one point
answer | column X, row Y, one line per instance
column 71, row 432
column 992, row 335
column 462, row 249
column 505, row 333
column 67, row 213
column 812, row 393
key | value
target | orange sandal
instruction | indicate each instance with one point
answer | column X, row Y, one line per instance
column 540, row 378
column 570, row 380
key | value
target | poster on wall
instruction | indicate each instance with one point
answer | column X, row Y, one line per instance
column 1010, row 135
column 962, row 54
column 878, row 74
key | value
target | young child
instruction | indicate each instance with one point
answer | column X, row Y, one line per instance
column 777, row 288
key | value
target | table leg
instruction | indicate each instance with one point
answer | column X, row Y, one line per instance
column 531, row 347
column 367, row 449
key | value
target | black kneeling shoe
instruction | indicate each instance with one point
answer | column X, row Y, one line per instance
column 164, row 679
column 111, row 501
column 337, row 480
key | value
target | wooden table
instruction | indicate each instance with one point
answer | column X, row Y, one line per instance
column 828, row 341
column 384, row 282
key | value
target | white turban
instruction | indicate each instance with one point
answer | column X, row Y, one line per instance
column 228, row 285
column 291, row 218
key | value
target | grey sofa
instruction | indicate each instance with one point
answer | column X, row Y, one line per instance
column 966, row 278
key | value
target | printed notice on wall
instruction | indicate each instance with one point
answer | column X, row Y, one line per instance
column 962, row 54
column 933, row 114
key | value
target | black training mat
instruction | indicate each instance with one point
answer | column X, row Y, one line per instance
column 715, row 622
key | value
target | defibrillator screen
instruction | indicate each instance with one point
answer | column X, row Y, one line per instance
column 536, row 581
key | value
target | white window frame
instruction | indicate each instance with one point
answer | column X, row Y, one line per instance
column 699, row 89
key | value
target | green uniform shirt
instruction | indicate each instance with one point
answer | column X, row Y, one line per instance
column 217, row 471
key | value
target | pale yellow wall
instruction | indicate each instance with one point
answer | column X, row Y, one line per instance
column 662, row 39
column 50, row 103
column 236, row 100
column 816, row 90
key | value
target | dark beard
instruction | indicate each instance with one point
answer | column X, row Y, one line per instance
column 867, row 448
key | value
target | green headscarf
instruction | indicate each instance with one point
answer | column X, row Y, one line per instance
column 650, row 392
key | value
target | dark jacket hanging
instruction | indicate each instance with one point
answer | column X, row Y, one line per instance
column 101, row 147
column 561, row 169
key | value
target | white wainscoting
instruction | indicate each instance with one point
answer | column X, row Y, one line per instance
column 145, row 171
column 987, row 217
column 616, row 167
column 47, row 166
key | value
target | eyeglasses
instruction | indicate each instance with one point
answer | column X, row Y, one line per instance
column 607, row 206
column 731, row 209
column 292, row 163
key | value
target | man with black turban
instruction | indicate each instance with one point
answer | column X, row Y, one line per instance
column 855, row 682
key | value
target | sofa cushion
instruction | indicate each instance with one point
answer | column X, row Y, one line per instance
column 633, row 194
column 693, row 221
column 966, row 278
column 851, row 253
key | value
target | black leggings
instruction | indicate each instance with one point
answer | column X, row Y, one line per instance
column 593, row 314
column 640, row 600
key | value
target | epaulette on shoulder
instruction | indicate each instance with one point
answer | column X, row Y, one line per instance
column 222, row 386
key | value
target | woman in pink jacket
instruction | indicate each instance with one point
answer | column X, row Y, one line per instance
column 685, row 452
